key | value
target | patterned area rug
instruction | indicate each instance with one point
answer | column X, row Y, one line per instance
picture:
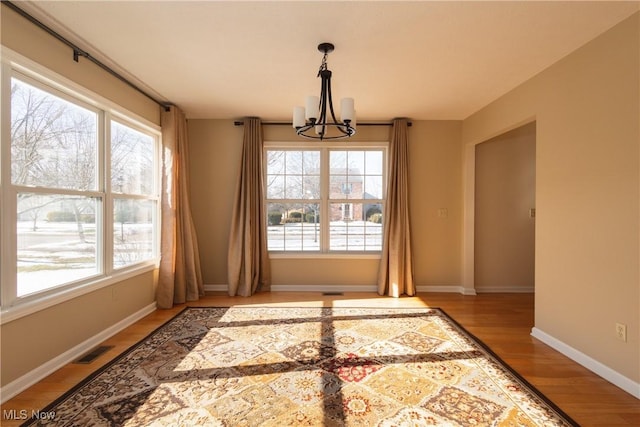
column 263, row 366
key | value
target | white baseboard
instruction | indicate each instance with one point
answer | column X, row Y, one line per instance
column 37, row 374
column 615, row 378
column 507, row 290
column 324, row 288
column 446, row 289
column 303, row 288
column 347, row 288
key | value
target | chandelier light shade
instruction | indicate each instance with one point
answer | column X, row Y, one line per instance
column 312, row 120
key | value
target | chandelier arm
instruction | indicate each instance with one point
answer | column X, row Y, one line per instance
column 323, row 106
column 342, row 127
column 333, row 114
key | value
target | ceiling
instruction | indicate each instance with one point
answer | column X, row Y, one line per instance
column 416, row 59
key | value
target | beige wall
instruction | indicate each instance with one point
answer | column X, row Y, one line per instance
column 25, row 38
column 587, row 192
column 435, row 183
column 30, row 341
column 215, row 149
column 504, row 194
column 33, row 340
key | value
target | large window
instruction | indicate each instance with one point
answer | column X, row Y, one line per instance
column 325, row 199
column 79, row 190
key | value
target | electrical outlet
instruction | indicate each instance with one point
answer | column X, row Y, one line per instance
column 621, row 332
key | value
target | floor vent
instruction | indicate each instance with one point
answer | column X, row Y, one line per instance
column 333, row 293
column 93, row 354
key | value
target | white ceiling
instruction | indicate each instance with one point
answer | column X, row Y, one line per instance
column 422, row 60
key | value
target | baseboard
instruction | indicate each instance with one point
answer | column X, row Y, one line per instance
column 446, row 289
column 506, row 290
column 324, row 288
column 42, row 371
column 615, row 378
column 303, row 288
column 216, row 288
column 347, row 288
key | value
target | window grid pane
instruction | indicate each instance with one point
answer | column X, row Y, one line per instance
column 293, row 227
column 293, row 174
column 56, row 236
column 133, row 231
column 356, row 189
column 54, row 143
column 350, row 230
column 132, row 160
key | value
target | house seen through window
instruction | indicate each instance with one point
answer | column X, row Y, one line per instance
column 325, row 200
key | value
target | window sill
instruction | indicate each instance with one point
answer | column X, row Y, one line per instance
column 41, row 302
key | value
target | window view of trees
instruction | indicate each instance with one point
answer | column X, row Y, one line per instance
column 133, row 231
column 293, row 191
column 298, row 192
column 132, row 161
column 53, row 141
column 53, row 162
column 60, row 193
column 132, row 182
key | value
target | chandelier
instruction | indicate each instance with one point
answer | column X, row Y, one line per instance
column 312, row 120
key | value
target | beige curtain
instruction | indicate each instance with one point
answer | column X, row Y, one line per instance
column 248, row 261
column 180, row 278
column 395, row 276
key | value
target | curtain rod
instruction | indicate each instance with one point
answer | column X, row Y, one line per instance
column 240, row 123
column 78, row 52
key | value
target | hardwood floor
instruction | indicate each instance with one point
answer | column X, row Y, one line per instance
column 502, row 321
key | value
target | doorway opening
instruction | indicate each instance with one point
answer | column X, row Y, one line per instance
column 504, row 219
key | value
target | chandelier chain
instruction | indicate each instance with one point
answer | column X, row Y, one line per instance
column 323, row 64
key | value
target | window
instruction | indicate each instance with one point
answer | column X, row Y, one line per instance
column 134, row 206
column 54, row 148
column 79, row 190
column 325, row 200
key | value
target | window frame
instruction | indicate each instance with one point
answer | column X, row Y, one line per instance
column 120, row 195
column 325, row 201
column 13, row 306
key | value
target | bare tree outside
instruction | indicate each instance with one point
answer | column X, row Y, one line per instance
column 132, row 168
column 53, row 159
column 54, row 165
column 53, row 144
column 293, row 191
column 132, row 160
column 295, row 201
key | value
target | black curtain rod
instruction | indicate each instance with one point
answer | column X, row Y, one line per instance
column 78, row 52
column 240, row 123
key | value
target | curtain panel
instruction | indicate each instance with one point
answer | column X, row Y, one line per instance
column 395, row 275
column 248, row 261
column 180, row 277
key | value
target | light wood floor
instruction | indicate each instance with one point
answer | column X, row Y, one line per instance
column 502, row 321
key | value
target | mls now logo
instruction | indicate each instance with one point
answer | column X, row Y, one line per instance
column 23, row 414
